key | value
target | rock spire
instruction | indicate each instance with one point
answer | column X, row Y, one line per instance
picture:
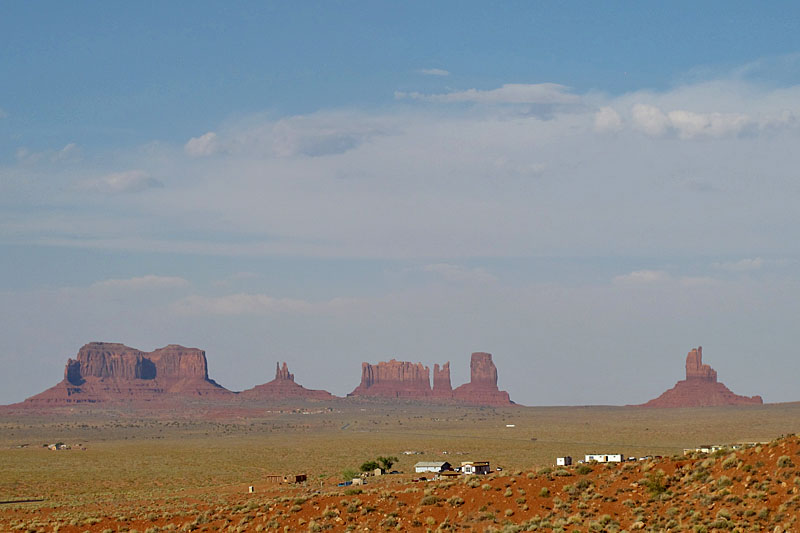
column 700, row 388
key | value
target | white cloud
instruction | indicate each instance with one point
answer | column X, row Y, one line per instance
column 643, row 277
column 607, row 119
column 254, row 304
column 460, row 274
column 434, row 72
column 204, row 145
column 743, row 265
column 322, row 134
column 689, row 124
column 650, row 119
column 143, row 283
column 662, row 279
column 130, row 181
column 685, row 124
column 70, row 151
column 511, row 93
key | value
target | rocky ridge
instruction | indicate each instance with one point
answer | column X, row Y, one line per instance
column 700, row 388
column 283, row 387
column 402, row 379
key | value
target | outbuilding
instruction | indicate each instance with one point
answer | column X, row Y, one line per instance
column 564, row 461
column 475, row 467
column 604, row 458
column 432, row 466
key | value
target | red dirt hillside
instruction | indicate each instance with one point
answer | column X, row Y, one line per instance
column 700, row 388
column 753, row 489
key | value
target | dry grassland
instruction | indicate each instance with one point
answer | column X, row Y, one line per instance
column 165, row 469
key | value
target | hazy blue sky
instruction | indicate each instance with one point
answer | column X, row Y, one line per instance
column 586, row 190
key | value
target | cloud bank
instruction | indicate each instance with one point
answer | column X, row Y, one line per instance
column 533, row 170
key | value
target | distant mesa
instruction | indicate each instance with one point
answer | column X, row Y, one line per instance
column 109, row 372
column 283, row 387
column 405, row 380
column 394, row 379
column 112, row 373
column 700, row 388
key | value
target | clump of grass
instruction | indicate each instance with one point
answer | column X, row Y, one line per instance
column 455, row 501
column 430, row 500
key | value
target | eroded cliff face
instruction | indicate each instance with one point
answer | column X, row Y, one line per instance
column 283, row 387
column 695, row 369
column 394, row 379
column 109, row 372
column 401, row 379
column 112, row 372
column 482, row 387
column 441, row 381
column 700, row 388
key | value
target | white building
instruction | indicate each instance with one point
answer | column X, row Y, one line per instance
column 431, row 466
column 604, row 457
column 475, row 467
column 563, row 461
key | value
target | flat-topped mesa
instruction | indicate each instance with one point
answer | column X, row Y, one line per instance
column 482, row 388
column 441, row 381
column 394, row 379
column 110, row 371
column 695, row 369
column 700, row 388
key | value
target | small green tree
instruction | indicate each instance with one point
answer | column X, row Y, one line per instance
column 386, row 462
column 349, row 474
column 369, row 466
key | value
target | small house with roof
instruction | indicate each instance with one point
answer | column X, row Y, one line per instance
column 475, row 467
column 432, row 466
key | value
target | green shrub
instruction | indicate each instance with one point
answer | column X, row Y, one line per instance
column 430, row 500
column 655, row 482
column 455, row 501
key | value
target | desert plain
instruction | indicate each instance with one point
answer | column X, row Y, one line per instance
column 170, row 469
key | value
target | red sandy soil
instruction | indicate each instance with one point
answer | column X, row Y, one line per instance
column 754, row 489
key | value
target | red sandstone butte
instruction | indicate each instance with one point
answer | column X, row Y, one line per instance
column 441, row 381
column 700, row 388
column 482, row 387
column 394, row 379
column 283, row 387
column 401, row 379
column 113, row 372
